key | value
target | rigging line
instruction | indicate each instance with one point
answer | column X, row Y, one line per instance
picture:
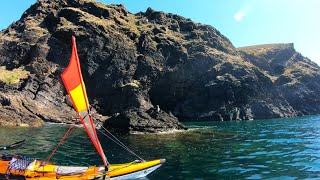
column 112, row 140
column 70, row 130
column 119, row 142
column 115, row 138
column 121, row 145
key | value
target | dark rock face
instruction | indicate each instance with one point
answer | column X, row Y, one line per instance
column 132, row 63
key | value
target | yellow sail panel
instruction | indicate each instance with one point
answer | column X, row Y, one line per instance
column 73, row 81
column 78, row 97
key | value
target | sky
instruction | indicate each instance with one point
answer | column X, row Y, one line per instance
column 243, row 22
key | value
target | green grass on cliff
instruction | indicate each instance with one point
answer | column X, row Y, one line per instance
column 14, row 76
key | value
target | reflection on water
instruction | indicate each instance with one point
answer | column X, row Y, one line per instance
column 275, row 149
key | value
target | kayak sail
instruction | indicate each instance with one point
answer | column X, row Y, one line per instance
column 73, row 82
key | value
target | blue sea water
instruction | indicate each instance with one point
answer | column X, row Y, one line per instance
column 259, row 149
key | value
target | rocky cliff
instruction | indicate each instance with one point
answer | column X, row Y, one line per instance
column 295, row 79
column 145, row 71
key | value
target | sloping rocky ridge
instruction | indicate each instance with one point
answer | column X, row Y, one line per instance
column 295, row 78
column 133, row 62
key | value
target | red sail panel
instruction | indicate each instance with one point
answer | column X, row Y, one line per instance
column 72, row 79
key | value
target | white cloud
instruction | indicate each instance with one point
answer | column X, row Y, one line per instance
column 238, row 16
column 242, row 12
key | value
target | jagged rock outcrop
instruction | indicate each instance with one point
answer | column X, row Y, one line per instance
column 145, row 70
column 295, row 79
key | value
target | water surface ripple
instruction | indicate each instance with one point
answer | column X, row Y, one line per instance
column 260, row 149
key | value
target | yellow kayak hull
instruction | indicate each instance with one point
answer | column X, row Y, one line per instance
column 37, row 171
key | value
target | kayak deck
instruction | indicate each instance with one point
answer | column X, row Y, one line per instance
column 36, row 170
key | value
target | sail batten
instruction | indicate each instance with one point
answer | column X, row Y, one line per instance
column 73, row 82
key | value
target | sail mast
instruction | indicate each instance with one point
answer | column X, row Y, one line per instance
column 73, row 81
